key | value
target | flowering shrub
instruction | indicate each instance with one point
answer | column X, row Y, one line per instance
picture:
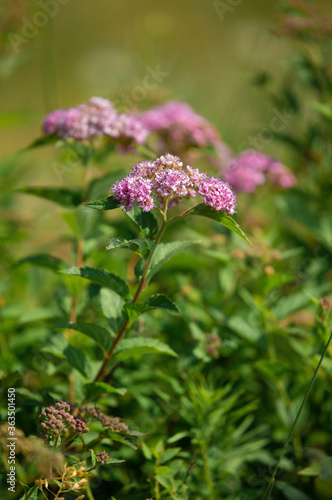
column 156, row 353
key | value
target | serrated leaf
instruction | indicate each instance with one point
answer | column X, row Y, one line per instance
column 109, row 203
column 138, row 346
column 145, row 222
column 142, row 247
column 132, row 311
column 95, row 389
column 164, row 252
column 62, row 196
column 98, row 333
column 221, row 217
column 43, row 260
column 101, row 277
column 78, row 360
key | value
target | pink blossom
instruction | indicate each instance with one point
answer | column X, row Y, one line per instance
column 154, row 183
column 250, row 169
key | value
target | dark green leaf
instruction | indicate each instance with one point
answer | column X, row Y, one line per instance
column 138, row 346
column 142, row 247
column 145, row 222
column 132, row 311
column 164, row 252
column 43, row 260
column 109, row 203
column 62, row 196
column 43, row 141
column 102, row 278
column 95, row 389
column 78, row 360
column 98, row 333
column 220, row 217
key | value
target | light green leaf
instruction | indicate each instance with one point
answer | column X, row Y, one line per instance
column 138, row 346
column 221, row 217
column 102, row 278
column 168, row 455
column 111, row 303
column 142, row 247
column 162, row 470
column 43, row 260
column 62, row 196
column 312, row 470
column 132, row 311
column 109, row 203
column 164, row 252
column 145, row 222
column 98, row 333
column 95, row 389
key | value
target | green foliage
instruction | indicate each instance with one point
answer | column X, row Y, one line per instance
column 132, row 311
column 224, row 219
column 139, row 346
column 65, row 197
column 102, row 278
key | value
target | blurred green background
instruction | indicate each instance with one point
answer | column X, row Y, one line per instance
column 105, row 47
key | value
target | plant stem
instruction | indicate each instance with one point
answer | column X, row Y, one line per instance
column 138, row 292
column 29, row 493
column 270, row 486
column 207, row 472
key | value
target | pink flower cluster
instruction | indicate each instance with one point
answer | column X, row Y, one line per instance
column 96, row 118
column 153, row 183
column 58, row 421
column 179, row 126
column 251, row 169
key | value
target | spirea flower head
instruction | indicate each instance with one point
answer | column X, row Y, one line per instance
column 96, row 118
column 251, row 169
column 57, row 421
column 165, row 181
column 102, row 457
column 179, row 126
column 92, row 413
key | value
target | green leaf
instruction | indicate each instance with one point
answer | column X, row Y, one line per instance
column 177, row 437
column 102, row 278
column 109, row 203
column 138, row 346
column 314, row 469
column 168, row 455
column 78, row 360
column 162, row 470
column 145, row 222
column 98, row 333
column 43, row 260
column 43, row 141
column 95, row 389
column 142, row 247
column 62, row 196
column 132, row 311
column 164, row 252
column 110, row 304
column 220, row 217
column 166, row 482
